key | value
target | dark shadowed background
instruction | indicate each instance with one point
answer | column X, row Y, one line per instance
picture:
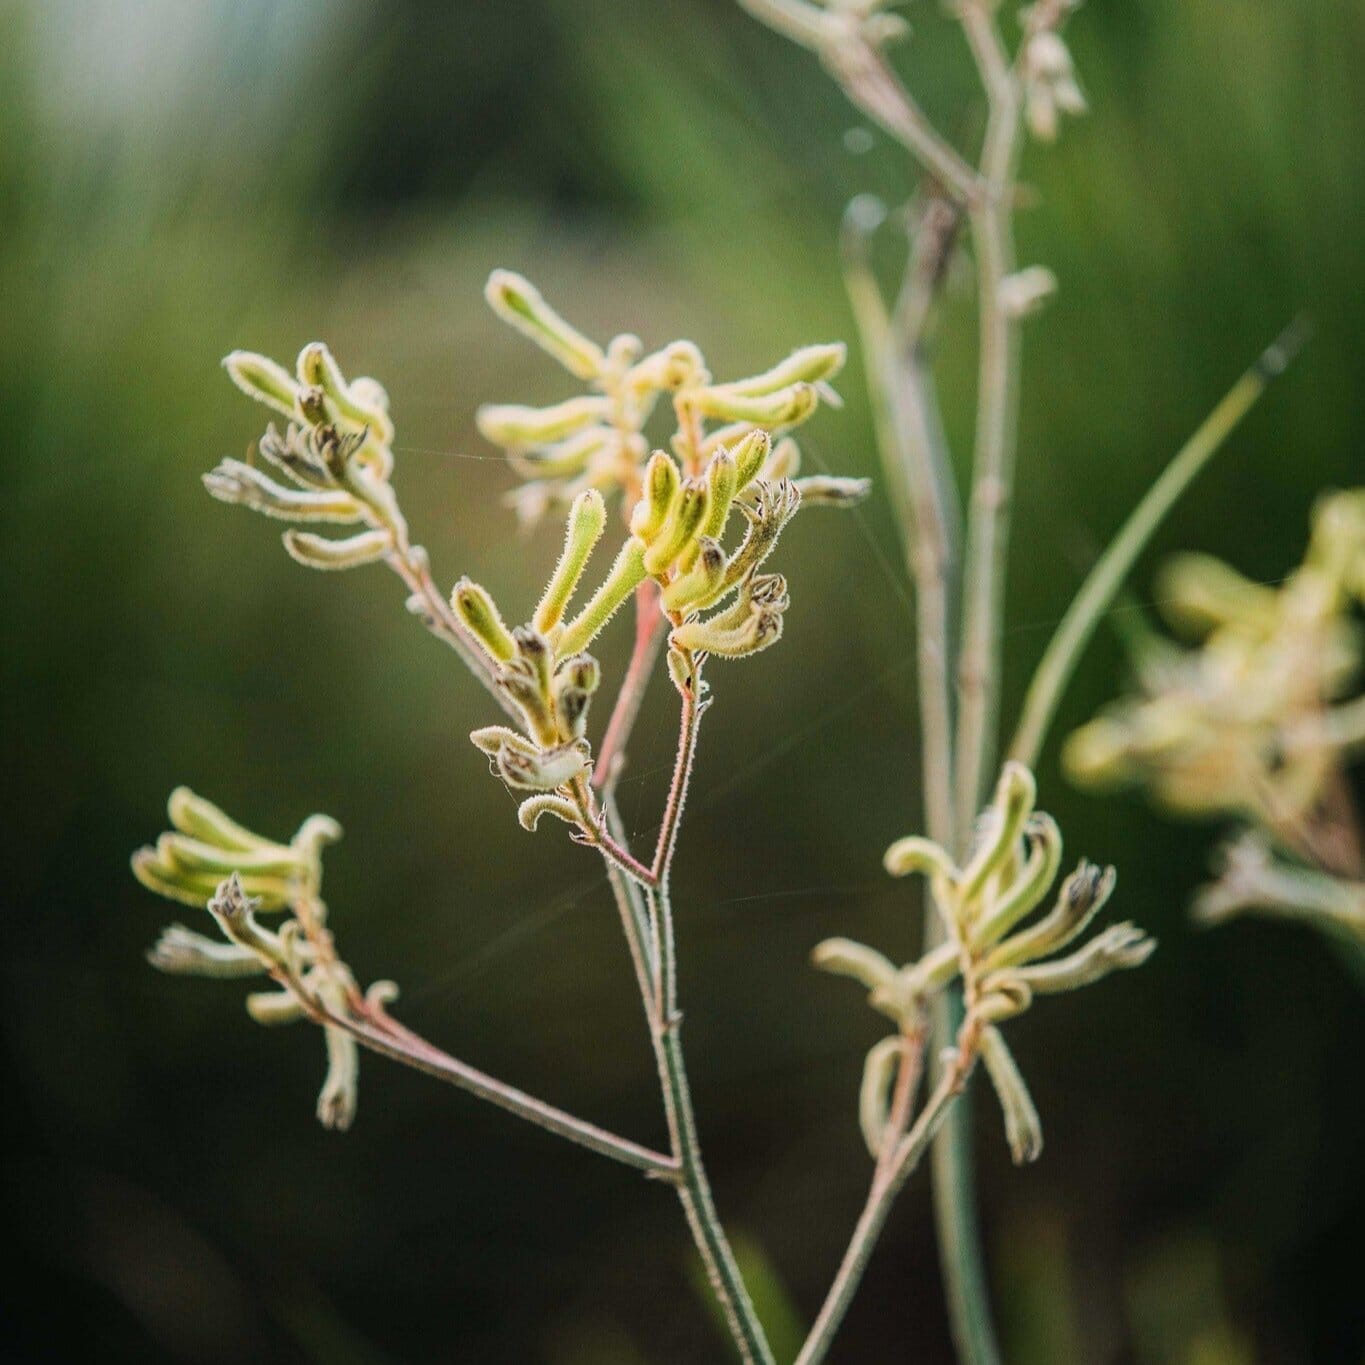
column 181, row 177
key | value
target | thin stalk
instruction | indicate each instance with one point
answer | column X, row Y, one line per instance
column 389, row 1039
column 694, row 1189
column 996, row 424
column 1106, row 578
column 992, row 229
column 649, row 633
column 886, row 1185
column 910, row 442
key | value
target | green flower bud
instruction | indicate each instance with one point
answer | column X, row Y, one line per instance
column 702, row 584
column 479, row 614
column 786, row 407
column 338, row 1098
column 517, row 301
column 201, row 819
column 516, row 426
column 677, row 533
column 586, row 522
column 722, row 481
column 627, row 573
column 662, row 483
column 1002, row 825
column 262, row 379
column 750, row 453
column 915, row 853
column 1118, row 947
column 809, row 365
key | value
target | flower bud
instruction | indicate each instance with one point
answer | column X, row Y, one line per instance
column 273, row 1008
column 517, row 301
column 915, row 853
column 722, row 482
column 661, row 489
column 1002, row 825
column 322, row 552
column 845, row 957
column 757, row 633
column 786, row 407
column 821, row 490
column 262, row 379
column 566, row 458
column 531, row 810
column 750, row 454
column 702, row 583
column 1118, row 947
column 586, row 522
column 1023, row 1129
column 677, row 533
column 874, row 1094
column 516, row 426
column 338, row 1098
column 182, row 952
column 479, row 615
column 809, row 365
column 201, row 819
column 246, row 486
column 627, row 573
column 1083, row 895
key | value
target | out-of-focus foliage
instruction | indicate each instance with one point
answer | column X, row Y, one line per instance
column 180, row 180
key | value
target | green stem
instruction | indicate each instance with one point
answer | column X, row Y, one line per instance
column 694, row 1190
column 886, row 1185
column 1104, row 581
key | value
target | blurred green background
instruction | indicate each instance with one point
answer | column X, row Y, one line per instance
column 181, row 177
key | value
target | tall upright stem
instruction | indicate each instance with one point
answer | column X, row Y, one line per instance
column 655, row 963
column 991, row 219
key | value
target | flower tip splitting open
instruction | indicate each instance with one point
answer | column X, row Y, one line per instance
column 1004, row 957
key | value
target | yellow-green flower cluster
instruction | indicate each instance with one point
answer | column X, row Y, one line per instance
column 335, row 455
column 1003, row 959
column 1257, row 719
column 209, row 861
column 597, row 440
column 717, row 600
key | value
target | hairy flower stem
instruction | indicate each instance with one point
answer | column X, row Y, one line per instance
column 650, row 624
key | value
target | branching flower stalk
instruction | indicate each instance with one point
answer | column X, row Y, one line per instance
column 694, row 586
column 692, row 526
